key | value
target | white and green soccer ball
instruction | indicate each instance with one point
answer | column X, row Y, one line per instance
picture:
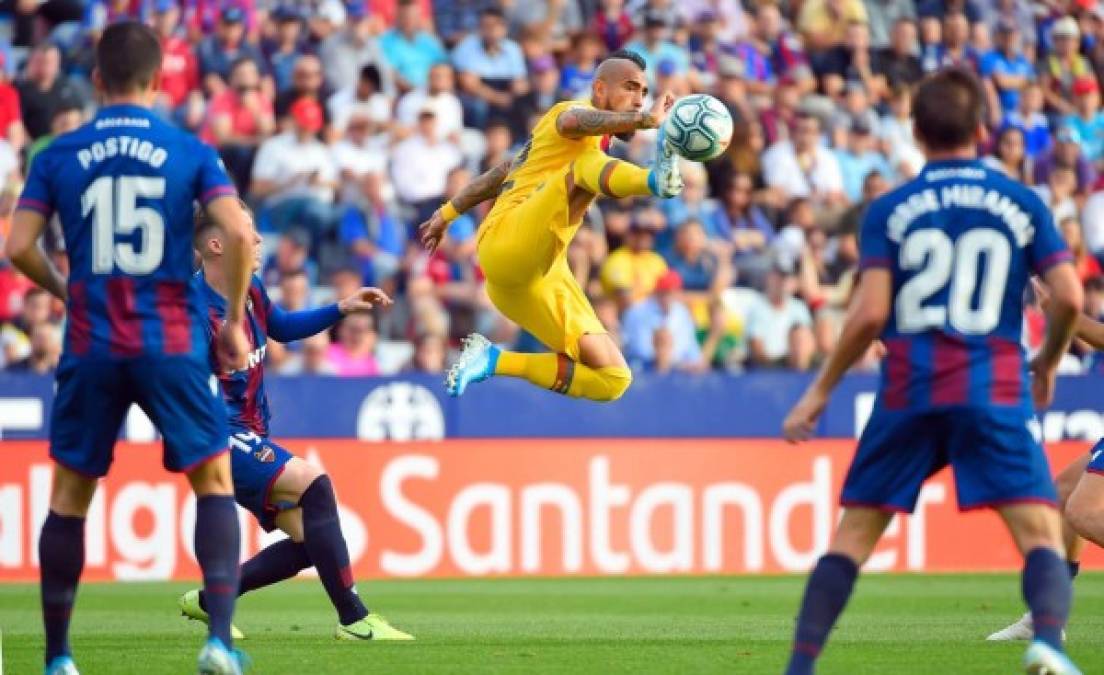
column 698, row 127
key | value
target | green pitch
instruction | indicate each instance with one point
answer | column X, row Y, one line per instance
column 895, row 624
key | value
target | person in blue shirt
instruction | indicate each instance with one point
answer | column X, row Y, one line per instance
column 123, row 188
column 282, row 491
column 218, row 52
column 491, row 70
column 410, row 50
column 659, row 332
column 1006, row 66
column 1087, row 122
column 943, row 274
column 1029, row 118
column 656, row 46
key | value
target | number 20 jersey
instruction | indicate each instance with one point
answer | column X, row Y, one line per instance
column 124, row 187
column 961, row 242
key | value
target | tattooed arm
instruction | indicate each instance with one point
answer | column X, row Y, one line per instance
column 481, row 189
column 580, row 122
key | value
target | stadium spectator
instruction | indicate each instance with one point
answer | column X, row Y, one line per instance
column 361, row 160
column 1030, row 120
column 354, row 353
column 1062, row 66
column 659, row 332
column 824, row 23
column 550, row 22
column 67, row 117
column 544, row 91
column 352, row 47
column 43, row 88
column 786, row 54
column 704, row 272
column 430, row 355
column 1087, row 266
column 1059, row 193
column 307, row 82
column 1006, row 70
column 859, row 159
column 741, row 222
column 294, row 174
column 654, row 44
column 11, row 113
column 365, row 100
column 179, row 65
column 578, row 71
column 45, row 351
column 692, row 203
column 292, row 256
column 312, row 358
column 420, row 166
column 1010, row 156
column 779, row 326
column 284, row 49
column 1066, row 152
column 613, row 24
column 1087, row 121
column 630, row 273
column 438, row 94
column 239, row 119
column 491, row 70
column 410, row 49
column 883, row 16
column 220, row 52
column 898, row 65
column 803, row 167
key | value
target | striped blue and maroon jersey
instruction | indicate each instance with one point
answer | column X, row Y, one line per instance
column 124, row 188
column 961, row 242
column 243, row 390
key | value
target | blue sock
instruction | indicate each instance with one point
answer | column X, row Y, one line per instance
column 61, row 559
column 1074, row 568
column 217, row 545
column 327, row 550
column 826, row 594
column 273, row 564
column 1048, row 593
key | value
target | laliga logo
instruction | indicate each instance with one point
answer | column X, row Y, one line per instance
column 400, row 411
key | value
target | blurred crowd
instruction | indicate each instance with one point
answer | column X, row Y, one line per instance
column 345, row 124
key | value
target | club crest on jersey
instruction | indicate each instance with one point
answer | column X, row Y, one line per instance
column 265, row 454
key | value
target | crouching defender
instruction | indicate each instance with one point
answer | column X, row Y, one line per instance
column 281, row 490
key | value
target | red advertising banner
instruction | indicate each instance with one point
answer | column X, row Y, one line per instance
column 526, row 507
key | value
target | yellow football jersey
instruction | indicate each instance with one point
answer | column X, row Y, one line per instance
column 546, row 153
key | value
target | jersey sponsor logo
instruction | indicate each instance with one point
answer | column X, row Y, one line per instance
column 110, row 122
column 255, row 358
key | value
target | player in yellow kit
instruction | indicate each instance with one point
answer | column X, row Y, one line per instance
column 522, row 243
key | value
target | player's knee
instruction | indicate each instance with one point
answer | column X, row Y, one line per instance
column 318, row 499
column 615, row 382
column 212, row 477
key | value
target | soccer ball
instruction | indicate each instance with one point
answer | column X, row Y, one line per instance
column 698, row 127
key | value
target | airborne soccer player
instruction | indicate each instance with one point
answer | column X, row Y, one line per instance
column 945, row 260
column 281, row 490
column 123, row 187
column 522, row 244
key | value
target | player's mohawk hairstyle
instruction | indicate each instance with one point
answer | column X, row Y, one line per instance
column 628, row 55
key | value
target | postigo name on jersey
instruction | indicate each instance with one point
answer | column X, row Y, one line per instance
column 122, row 146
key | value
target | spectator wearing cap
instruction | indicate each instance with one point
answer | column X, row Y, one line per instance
column 492, row 71
column 286, row 46
column 941, row 8
column 1066, row 153
column 295, row 176
column 352, row 47
column 823, row 23
column 1087, row 121
column 420, row 166
column 859, row 158
column 707, row 53
column 658, row 331
column 307, row 81
column 239, row 119
column 439, row 94
column 1028, row 117
column 43, row 88
column 613, row 24
column 898, row 65
column 1063, row 66
column 629, row 274
column 179, row 67
column 218, row 53
column 803, row 167
column 202, row 16
column 409, row 49
column 11, row 114
column 578, row 72
column 656, row 47
column 1006, row 69
column 731, row 19
column 779, row 326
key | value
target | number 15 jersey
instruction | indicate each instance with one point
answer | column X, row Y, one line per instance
column 961, row 242
column 124, row 187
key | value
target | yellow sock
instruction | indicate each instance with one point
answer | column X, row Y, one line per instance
column 564, row 376
column 601, row 174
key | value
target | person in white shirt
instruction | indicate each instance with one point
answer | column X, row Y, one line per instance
column 803, row 167
column 361, row 160
column 364, row 98
column 440, row 95
column 779, row 326
column 420, row 166
column 295, row 174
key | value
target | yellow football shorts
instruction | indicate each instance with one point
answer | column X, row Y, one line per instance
column 523, row 253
